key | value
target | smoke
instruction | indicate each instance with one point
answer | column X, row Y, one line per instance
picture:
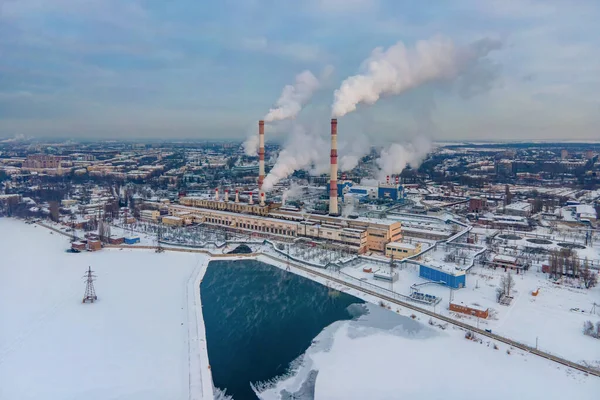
column 349, row 206
column 304, row 149
column 395, row 157
column 294, row 192
column 397, row 69
column 290, row 102
column 251, row 145
column 294, row 97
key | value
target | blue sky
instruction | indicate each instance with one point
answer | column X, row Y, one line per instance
column 210, row 69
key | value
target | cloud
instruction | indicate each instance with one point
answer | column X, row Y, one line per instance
column 291, row 50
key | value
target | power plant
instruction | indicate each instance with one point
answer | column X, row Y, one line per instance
column 270, row 218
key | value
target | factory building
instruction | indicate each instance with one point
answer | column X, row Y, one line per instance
column 149, row 215
column 452, row 277
column 383, row 191
column 400, row 250
column 356, row 234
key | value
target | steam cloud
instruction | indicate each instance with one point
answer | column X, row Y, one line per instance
column 294, row 192
column 390, row 72
column 395, row 157
column 290, row 102
column 304, row 149
column 251, row 145
column 397, row 69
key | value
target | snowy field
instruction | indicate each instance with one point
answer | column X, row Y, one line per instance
column 131, row 344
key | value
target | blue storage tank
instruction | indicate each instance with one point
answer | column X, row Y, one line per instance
column 455, row 280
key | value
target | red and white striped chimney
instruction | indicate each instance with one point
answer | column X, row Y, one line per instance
column 226, row 194
column 261, row 159
column 397, row 179
column 387, row 179
column 261, row 153
column 237, row 196
column 333, row 194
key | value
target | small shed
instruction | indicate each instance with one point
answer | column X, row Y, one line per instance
column 94, row 245
column 132, row 240
column 78, row 246
column 116, row 240
column 470, row 310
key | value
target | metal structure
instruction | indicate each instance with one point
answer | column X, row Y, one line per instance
column 90, row 291
column 261, row 161
column 333, row 194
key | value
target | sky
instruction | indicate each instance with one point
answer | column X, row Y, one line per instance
column 211, row 69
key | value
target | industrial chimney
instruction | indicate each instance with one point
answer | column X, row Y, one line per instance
column 251, row 200
column 226, row 195
column 333, row 192
column 387, row 179
column 237, row 196
column 262, row 198
column 261, row 154
column 217, row 194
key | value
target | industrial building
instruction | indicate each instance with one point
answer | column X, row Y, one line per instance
column 400, row 250
column 149, row 215
column 357, row 234
column 449, row 276
column 387, row 190
column 476, row 311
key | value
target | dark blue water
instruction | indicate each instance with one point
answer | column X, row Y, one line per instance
column 259, row 318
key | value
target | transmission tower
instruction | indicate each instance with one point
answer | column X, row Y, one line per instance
column 90, row 292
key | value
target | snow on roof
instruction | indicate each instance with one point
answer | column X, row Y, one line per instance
column 506, row 258
column 402, row 245
column 519, row 206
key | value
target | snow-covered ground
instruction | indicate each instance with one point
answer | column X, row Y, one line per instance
column 547, row 317
column 383, row 355
column 141, row 339
column 131, row 344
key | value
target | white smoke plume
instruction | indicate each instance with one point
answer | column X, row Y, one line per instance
column 294, row 192
column 294, row 97
column 303, row 150
column 290, row 102
column 397, row 69
column 395, row 157
column 251, row 145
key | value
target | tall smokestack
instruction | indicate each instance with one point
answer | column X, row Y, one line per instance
column 217, row 194
column 333, row 195
column 251, row 200
column 387, row 179
column 262, row 198
column 226, row 195
column 237, row 196
column 261, row 154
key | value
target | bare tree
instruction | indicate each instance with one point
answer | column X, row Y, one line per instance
column 589, row 277
column 54, row 214
column 507, row 283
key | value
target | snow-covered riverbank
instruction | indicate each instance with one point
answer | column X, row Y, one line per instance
column 133, row 343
